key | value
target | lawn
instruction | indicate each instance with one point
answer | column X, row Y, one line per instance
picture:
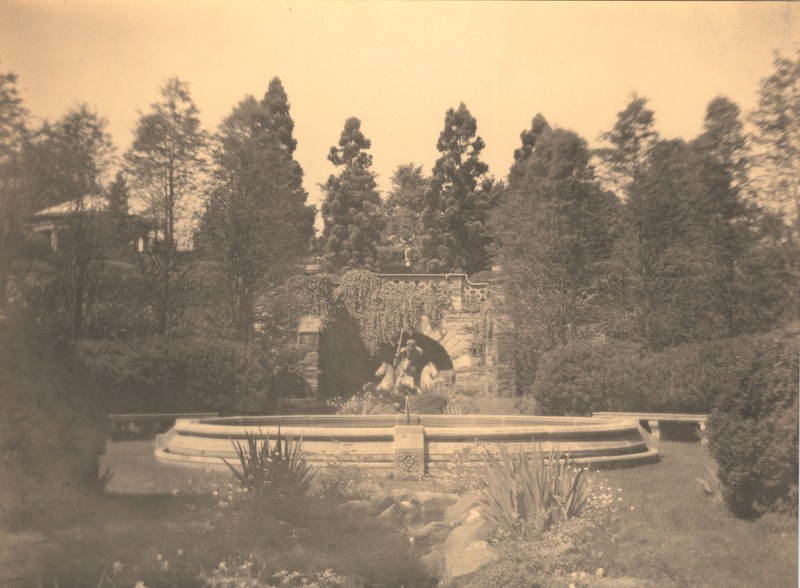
column 667, row 531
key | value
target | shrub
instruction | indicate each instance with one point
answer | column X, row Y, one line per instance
column 584, row 376
column 527, row 494
column 53, row 425
column 279, row 470
column 753, row 428
column 428, row 403
column 182, row 375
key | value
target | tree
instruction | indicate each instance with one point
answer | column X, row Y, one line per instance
column 403, row 210
column 720, row 216
column 552, row 232
column 118, row 196
column 777, row 120
column 631, row 139
column 257, row 224
column 539, row 125
column 351, row 209
column 79, row 152
column 13, row 208
column 458, row 200
column 165, row 164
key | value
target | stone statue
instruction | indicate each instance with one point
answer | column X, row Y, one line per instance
column 407, row 360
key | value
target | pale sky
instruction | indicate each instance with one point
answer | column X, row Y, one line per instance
column 397, row 66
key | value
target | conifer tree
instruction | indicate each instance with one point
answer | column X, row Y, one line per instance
column 257, row 225
column 455, row 237
column 351, row 209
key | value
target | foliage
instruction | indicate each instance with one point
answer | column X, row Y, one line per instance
column 753, row 428
column 241, row 574
column 526, row 494
column 552, row 237
column 403, row 210
column 256, row 224
column 165, row 165
column 630, row 142
column 777, row 137
column 53, row 421
column 455, row 237
column 563, row 556
column 351, row 209
column 382, row 309
column 275, row 471
column 367, row 401
column 429, row 403
column 14, row 207
column 582, row 377
column 187, row 375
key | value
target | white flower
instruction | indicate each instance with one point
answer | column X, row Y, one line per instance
column 600, row 572
column 180, row 552
column 222, row 566
column 116, row 567
column 140, row 584
column 165, row 566
column 159, row 557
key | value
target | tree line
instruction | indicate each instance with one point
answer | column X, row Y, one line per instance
column 662, row 241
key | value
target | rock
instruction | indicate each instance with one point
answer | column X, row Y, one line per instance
column 433, row 563
column 434, row 504
column 411, row 514
column 467, row 549
column 401, row 494
column 355, row 508
column 428, row 537
column 391, row 514
column 455, row 513
column 380, row 501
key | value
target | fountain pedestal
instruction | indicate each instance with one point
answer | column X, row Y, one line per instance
column 409, row 452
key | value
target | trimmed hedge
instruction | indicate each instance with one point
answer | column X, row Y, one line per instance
column 157, row 374
column 589, row 376
column 53, row 425
column 753, row 429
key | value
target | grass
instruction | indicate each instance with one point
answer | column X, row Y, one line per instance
column 666, row 531
column 671, row 533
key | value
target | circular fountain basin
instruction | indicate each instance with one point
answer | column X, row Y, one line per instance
column 408, row 445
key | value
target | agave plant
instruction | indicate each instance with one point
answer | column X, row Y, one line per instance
column 526, row 494
column 278, row 469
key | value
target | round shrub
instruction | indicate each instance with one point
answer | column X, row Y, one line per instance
column 753, row 428
column 585, row 376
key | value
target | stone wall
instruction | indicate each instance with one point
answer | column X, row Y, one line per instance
column 489, row 376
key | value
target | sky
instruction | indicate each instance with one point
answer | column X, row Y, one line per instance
column 397, row 66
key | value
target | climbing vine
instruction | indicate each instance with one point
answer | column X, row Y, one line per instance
column 383, row 309
column 481, row 330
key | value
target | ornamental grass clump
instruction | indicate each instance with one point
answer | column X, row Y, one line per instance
column 527, row 493
column 279, row 470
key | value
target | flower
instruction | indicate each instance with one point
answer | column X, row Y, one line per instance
column 222, row 566
column 116, row 567
column 180, row 552
column 599, row 572
column 140, row 584
column 159, row 557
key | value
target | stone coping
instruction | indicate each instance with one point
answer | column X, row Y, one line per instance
column 655, row 416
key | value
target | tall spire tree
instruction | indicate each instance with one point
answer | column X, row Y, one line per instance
column 351, row 209
column 458, row 201
column 257, row 225
column 631, row 139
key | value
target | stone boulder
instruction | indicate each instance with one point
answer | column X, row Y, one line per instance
column 457, row 512
column 467, row 549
